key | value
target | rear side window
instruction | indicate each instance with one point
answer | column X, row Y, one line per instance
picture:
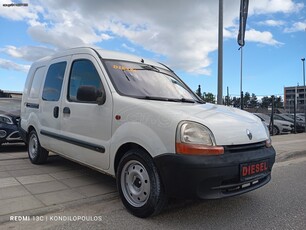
column 54, row 80
column 83, row 73
column 36, row 83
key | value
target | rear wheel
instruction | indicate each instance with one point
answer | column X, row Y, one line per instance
column 37, row 154
column 139, row 184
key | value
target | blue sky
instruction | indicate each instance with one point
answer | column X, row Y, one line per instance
column 182, row 34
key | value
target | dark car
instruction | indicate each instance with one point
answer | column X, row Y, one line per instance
column 9, row 118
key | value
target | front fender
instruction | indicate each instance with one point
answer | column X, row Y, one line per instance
column 140, row 134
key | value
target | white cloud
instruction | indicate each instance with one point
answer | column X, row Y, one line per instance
column 184, row 32
column 272, row 23
column 68, row 29
column 19, row 13
column 264, row 37
column 185, row 36
column 297, row 26
column 129, row 48
column 252, row 35
column 9, row 65
column 274, row 6
column 28, row 53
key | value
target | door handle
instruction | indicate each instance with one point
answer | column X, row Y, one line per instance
column 55, row 111
column 66, row 110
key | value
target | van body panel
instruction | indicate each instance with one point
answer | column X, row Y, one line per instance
column 86, row 104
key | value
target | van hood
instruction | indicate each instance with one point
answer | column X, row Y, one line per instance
column 229, row 126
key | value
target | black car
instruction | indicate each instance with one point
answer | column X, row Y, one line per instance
column 9, row 118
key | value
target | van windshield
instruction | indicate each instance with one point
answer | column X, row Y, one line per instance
column 148, row 82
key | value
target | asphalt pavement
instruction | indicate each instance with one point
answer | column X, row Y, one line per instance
column 28, row 190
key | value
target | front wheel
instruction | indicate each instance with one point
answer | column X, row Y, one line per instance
column 275, row 130
column 139, row 184
column 37, row 154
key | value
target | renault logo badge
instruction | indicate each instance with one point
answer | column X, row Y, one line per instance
column 249, row 134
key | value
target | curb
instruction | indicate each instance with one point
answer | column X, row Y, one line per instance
column 281, row 157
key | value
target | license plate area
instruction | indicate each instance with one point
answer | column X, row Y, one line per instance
column 253, row 169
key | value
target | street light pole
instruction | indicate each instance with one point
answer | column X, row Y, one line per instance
column 220, row 55
column 303, row 61
column 241, row 63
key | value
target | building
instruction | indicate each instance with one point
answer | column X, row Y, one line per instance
column 294, row 95
column 10, row 94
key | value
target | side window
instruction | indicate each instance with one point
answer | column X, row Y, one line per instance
column 54, row 80
column 37, row 82
column 83, row 75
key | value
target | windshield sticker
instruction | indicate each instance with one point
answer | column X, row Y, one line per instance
column 120, row 67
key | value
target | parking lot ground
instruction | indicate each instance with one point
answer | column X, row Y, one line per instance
column 31, row 190
column 289, row 146
column 27, row 189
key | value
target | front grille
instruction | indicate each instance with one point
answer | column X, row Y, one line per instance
column 15, row 135
column 245, row 147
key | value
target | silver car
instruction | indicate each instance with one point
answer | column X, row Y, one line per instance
column 280, row 127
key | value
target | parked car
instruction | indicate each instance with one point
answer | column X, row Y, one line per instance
column 299, row 117
column 300, row 126
column 134, row 119
column 9, row 118
column 280, row 126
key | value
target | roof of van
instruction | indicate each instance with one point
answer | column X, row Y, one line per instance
column 104, row 54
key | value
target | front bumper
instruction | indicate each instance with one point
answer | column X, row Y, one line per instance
column 211, row 177
column 9, row 134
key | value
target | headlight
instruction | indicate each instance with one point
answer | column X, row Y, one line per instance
column 269, row 140
column 5, row 119
column 195, row 139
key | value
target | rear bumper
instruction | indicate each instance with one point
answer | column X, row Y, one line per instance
column 211, row 177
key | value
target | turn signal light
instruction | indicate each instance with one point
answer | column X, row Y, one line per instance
column 196, row 149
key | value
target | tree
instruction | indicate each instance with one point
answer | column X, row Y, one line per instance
column 209, row 97
column 236, row 102
column 227, row 100
column 253, row 101
column 279, row 102
column 246, row 99
column 266, row 102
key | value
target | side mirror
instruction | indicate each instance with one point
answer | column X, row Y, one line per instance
column 88, row 93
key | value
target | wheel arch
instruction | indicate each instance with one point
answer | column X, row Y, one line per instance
column 125, row 148
column 30, row 129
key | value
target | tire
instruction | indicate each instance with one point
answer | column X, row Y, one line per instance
column 37, row 154
column 139, row 184
column 275, row 130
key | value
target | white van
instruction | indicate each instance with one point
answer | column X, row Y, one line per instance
column 135, row 120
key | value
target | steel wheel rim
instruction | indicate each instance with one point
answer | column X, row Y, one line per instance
column 135, row 183
column 33, row 145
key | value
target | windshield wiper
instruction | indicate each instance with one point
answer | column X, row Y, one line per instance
column 150, row 67
column 183, row 100
column 154, row 98
column 167, row 99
